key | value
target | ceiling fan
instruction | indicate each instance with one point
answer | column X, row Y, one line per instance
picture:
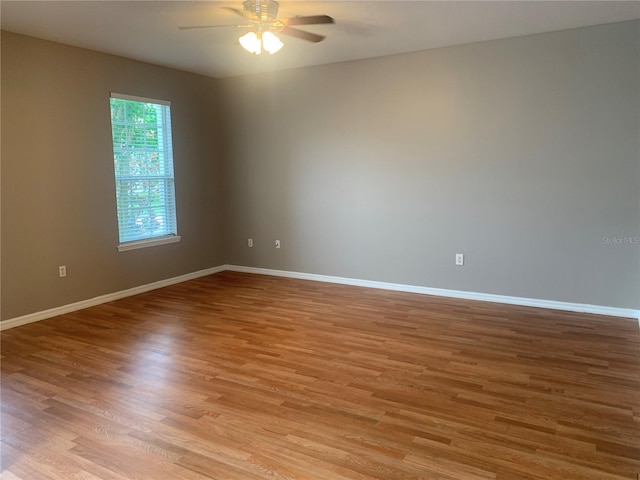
column 262, row 16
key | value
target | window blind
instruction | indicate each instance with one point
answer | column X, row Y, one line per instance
column 143, row 165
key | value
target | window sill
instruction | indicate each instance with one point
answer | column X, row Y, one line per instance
column 149, row 242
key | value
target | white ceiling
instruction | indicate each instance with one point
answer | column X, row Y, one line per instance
column 147, row 30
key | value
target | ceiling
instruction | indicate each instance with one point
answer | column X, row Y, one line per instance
column 148, row 30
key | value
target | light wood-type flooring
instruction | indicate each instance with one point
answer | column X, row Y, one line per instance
column 238, row 376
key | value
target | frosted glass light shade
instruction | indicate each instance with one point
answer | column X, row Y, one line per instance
column 254, row 43
column 271, row 43
column 251, row 43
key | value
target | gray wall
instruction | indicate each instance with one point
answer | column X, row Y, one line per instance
column 58, row 193
column 520, row 153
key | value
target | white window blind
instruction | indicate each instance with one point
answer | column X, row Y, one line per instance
column 143, row 164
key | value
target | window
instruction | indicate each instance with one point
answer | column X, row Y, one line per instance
column 143, row 164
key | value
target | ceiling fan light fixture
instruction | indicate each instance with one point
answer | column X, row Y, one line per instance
column 254, row 42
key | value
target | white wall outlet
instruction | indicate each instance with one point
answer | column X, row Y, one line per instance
column 277, row 243
column 62, row 271
column 250, row 242
column 459, row 259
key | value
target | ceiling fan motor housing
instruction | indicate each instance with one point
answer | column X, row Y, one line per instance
column 261, row 10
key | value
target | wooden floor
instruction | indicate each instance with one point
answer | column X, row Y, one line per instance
column 237, row 376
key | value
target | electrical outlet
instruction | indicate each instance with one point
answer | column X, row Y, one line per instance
column 277, row 243
column 62, row 271
column 459, row 259
column 250, row 242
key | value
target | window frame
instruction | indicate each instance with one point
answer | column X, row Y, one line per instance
column 169, row 206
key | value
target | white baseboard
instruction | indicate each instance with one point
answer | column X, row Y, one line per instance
column 485, row 297
column 72, row 307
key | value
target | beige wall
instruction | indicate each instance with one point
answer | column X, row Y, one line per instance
column 520, row 153
column 58, row 194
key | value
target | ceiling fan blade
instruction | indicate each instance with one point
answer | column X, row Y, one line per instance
column 310, row 20
column 193, row 27
column 236, row 11
column 308, row 36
